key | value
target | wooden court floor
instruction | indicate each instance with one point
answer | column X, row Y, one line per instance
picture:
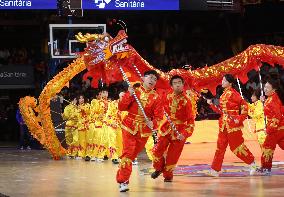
column 34, row 173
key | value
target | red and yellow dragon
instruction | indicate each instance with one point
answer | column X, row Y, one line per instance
column 102, row 58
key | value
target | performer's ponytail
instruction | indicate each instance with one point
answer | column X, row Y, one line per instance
column 257, row 93
column 230, row 78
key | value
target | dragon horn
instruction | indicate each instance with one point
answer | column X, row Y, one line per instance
column 81, row 38
column 88, row 37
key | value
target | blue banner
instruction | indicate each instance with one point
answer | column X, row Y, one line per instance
column 131, row 4
column 28, row 4
column 94, row 4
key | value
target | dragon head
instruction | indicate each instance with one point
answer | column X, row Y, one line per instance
column 101, row 47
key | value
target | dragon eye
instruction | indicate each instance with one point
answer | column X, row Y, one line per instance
column 106, row 38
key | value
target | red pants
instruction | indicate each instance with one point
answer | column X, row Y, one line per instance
column 236, row 143
column 167, row 163
column 269, row 146
column 132, row 145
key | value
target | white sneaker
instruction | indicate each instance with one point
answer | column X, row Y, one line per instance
column 123, row 187
column 29, row 148
column 78, row 158
column 100, row 160
column 252, row 168
column 213, row 173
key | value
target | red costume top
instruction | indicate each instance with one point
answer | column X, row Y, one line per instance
column 134, row 121
column 273, row 110
column 179, row 108
column 231, row 105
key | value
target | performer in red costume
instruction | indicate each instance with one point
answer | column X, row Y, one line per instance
column 274, row 113
column 233, row 110
column 172, row 137
column 135, row 130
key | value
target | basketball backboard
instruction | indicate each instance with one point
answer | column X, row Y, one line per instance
column 62, row 41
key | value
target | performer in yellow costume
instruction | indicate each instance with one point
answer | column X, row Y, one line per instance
column 95, row 125
column 70, row 114
column 83, row 125
column 110, row 132
column 257, row 114
column 99, row 108
column 91, row 134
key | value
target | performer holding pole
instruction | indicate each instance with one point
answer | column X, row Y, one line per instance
column 274, row 112
column 174, row 131
column 151, row 142
column 154, row 133
column 135, row 128
column 230, row 132
column 165, row 113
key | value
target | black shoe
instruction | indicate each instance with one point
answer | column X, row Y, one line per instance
column 155, row 174
column 115, row 161
column 105, row 158
column 87, row 158
column 168, row 180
